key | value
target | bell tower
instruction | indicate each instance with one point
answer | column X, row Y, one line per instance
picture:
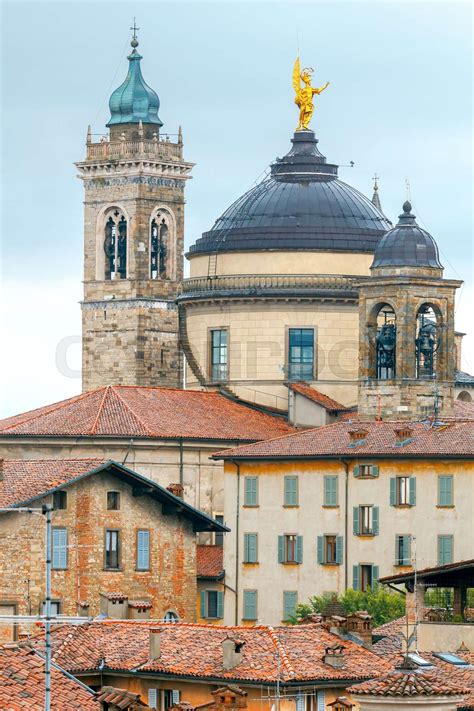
column 406, row 317
column 134, row 181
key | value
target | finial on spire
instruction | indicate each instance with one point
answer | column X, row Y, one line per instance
column 89, row 134
column 134, row 42
column 180, row 135
column 375, row 196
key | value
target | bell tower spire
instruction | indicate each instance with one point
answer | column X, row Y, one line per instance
column 133, row 242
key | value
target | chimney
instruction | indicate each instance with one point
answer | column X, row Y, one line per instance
column 155, row 643
column 2, row 468
column 231, row 652
column 360, row 623
column 176, row 489
column 334, row 656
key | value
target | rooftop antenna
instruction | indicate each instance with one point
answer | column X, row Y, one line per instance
column 134, row 29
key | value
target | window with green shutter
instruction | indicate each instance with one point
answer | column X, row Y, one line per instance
column 403, row 549
column 330, row 550
column 445, row 549
column 290, row 548
column 250, row 605
column 366, row 471
column 445, row 490
column 250, row 491
column 403, row 491
column 250, row 548
column 366, row 520
column 330, row 497
column 290, row 491
column 59, row 545
column 290, row 599
column 212, row 604
column 143, row 550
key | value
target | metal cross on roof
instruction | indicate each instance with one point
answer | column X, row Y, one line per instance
column 134, row 28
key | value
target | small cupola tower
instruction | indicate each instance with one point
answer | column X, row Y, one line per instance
column 406, row 317
column 134, row 180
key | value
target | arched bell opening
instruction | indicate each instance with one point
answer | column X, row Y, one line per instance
column 427, row 341
column 161, row 245
column 115, row 245
column 383, row 337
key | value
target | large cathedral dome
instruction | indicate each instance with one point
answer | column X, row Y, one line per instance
column 301, row 206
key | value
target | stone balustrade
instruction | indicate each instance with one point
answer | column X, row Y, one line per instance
column 113, row 150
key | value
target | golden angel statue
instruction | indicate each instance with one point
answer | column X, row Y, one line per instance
column 304, row 95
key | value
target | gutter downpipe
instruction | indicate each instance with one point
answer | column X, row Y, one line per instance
column 181, row 465
column 237, row 538
column 345, row 464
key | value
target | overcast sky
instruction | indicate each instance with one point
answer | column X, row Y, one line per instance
column 399, row 104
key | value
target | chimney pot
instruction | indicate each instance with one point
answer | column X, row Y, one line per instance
column 231, row 652
column 155, row 643
column 176, row 489
column 334, row 656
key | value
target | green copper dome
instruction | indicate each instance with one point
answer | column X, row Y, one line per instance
column 134, row 100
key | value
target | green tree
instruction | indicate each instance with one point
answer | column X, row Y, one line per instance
column 384, row 605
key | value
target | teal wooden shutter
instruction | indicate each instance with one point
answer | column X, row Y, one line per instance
column 299, row 549
column 412, row 490
column 330, row 490
column 375, row 520
column 356, row 470
column 250, row 547
column 393, row 491
column 153, row 698
column 320, row 547
column 375, row 576
column 250, row 604
column 445, row 491
column 291, row 491
column 356, row 577
column 374, row 470
column 220, row 604
column 445, row 550
column 281, row 549
column 406, row 550
column 59, row 560
column 250, row 491
column 203, row 610
column 143, row 550
column 339, row 550
column 289, row 604
column 356, row 521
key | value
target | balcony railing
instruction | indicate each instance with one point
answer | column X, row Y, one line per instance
column 113, row 150
column 270, row 283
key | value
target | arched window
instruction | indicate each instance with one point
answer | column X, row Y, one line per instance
column 464, row 396
column 426, row 342
column 115, row 245
column 171, row 616
column 161, row 245
column 385, row 343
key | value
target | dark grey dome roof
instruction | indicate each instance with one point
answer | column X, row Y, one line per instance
column 302, row 205
column 407, row 245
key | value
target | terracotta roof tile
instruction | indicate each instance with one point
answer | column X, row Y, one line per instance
column 410, row 683
column 455, row 438
column 312, row 394
column 210, row 561
column 22, row 684
column 130, row 411
column 124, row 645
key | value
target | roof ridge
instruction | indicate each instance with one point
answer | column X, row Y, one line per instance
column 160, row 387
column 51, row 408
column 99, row 411
column 132, row 412
column 281, row 650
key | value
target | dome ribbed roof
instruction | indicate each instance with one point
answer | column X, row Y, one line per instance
column 134, row 100
column 302, row 205
column 407, row 245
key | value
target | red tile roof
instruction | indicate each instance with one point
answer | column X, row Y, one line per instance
column 119, row 698
column 130, row 411
column 124, row 646
column 394, row 627
column 464, row 410
column 409, row 683
column 312, row 394
column 455, row 438
column 210, row 561
column 22, row 684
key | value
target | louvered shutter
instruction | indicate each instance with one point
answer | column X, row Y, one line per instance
column 59, row 542
column 289, row 604
column 393, row 491
column 175, row 694
column 251, row 491
column 143, row 550
column 320, row 549
column 412, row 490
column 356, row 577
column 299, row 702
column 250, row 604
column 375, row 576
column 339, row 550
column 375, row 520
column 321, row 701
column 374, row 470
column 406, row 550
column 220, row 604
column 281, row 549
column 299, row 549
column 250, row 548
column 153, row 698
column 203, row 610
column 356, row 470
column 356, row 526
column 445, row 491
column 291, row 491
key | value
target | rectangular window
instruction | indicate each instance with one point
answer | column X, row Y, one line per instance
column 219, row 349
column 170, row 698
column 403, row 491
column 290, row 548
column 112, row 549
column 330, row 550
column 445, row 491
column 143, row 550
column 364, row 576
column 59, row 561
column 290, row 600
column 212, row 604
column 55, row 607
column 113, row 500
column 366, row 520
column 153, row 698
column 403, row 550
column 290, row 496
column 366, row 471
column 250, row 605
column 301, row 354
column 250, row 491
column 250, row 548
column 330, row 491
column 60, row 500
column 445, row 549
column 219, row 535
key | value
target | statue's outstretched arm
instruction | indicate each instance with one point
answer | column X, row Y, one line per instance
column 322, row 88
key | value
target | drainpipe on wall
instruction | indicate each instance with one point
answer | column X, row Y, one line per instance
column 181, row 471
column 237, row 537
column 345, row 464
